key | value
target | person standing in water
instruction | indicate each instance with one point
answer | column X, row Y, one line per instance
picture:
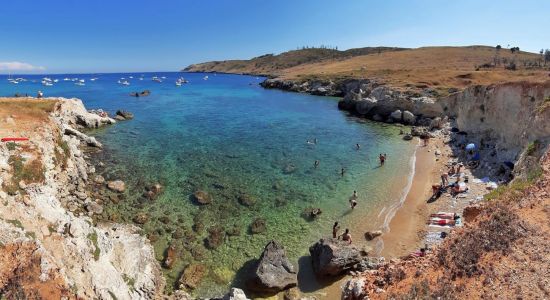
column 346, row 236
column 353, row 200
column 316, row 164
column 335, row 229
column 357, row 146
column 382, row 158
column 342, row 172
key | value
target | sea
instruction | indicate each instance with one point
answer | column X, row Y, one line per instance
column 253, row 150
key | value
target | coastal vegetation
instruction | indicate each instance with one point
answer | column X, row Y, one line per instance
column 438, row 68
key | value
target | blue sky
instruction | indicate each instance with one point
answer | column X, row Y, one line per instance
column 165, row 35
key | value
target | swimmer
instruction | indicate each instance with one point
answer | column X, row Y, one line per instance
column 357, row 146
column 342, row 172
column 352, row 203
column 316, row 164
column 346, row 236
column 335, row 229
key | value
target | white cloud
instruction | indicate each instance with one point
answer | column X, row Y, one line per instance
column 19, row 66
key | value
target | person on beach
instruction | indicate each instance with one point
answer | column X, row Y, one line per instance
column 346, row 236
column 436, row 191
column 442, row 222
column 316, row 164
column 426, row 140
column 452, row 170
column 335, row 229
column 342, row 172
column 357, row 146
column 444, row 179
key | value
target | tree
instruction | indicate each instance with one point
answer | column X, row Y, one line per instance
column 498, row 47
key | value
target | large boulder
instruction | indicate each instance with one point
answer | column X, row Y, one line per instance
column 408, row 117
column 235, row 294
column 331, row 257
column 274, row 271
column 396, row 115
column 126, row 115
column 116, row 186
column 436, row 123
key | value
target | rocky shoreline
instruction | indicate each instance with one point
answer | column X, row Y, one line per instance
column 53, row 217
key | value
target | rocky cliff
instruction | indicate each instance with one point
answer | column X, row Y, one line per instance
column 48, row 250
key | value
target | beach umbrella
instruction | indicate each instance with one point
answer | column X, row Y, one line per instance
column 470, row 146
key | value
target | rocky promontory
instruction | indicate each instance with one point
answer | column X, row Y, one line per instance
column 45, row 223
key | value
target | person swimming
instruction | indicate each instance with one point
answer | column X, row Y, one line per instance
column 357, row 146
column 342, row 172
column 346, row 236
column 316, row 164
column 335, row 229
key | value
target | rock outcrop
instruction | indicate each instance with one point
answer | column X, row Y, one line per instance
column 273, row 272
column 331, row 257
column 52, row 216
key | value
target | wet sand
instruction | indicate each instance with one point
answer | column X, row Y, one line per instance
column 408, row 224
column 406, row 228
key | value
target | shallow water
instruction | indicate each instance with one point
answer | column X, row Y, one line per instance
column 230, row 137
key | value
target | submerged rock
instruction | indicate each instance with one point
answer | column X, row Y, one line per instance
column 258, row 226
column 370, row 235
column 117, row 186
column 331, row 257
column 141, row 218
column 202, row 197
column 192, row 276
column 246, row 200
column 126, row 115
column 170, row 257
column 274, row 272
column 215, row 237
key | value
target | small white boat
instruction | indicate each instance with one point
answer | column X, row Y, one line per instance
column 93, row 79
column 131, row 77
column 81, row 80
column 157, row 80
column 125, row 82
column 163, row 77
column 80, row 83
column 205, row 77
column 13, row 81
column 141, row 78
column 46, row 83
column 56, row 80
column 178, row 83
column 66, row 79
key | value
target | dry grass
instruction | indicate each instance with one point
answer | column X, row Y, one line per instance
column 31, row 172
column 439, row 68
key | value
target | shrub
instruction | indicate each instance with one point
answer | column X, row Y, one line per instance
column 93, row 238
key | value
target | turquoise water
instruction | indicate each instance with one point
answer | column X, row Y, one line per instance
column 229, row 137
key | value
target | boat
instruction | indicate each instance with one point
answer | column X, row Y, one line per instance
column 93, row 79
column 56, row 80
column 178, row 83
column 81, row 80
column 131, row 77
column 80, row 83
column 156, row 79
column 205, row 77
column 125, row 82
column 66, row 79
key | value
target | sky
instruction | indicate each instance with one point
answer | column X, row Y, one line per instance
column 73, row 36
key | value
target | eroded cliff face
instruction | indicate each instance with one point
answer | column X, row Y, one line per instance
column 49, row 247
column 511, row 115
